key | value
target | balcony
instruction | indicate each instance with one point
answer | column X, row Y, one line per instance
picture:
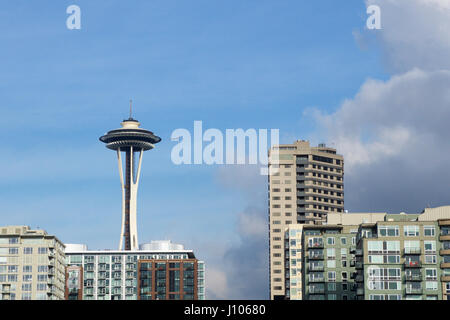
column 413, row 290
column 444, row 252
column 415, row 251
column 358, row 252
column 318, row 245
column 445, row 278
column 316, row 267
column 317, row 279
column 445, row 222
column 413, row 264
column 359, row 265
column 352, row 263
column 316, row 290
column 317, row 256
column 445, row 265
column 413, row 277
column 359, row 278
column 444, row 237
column 352, row 249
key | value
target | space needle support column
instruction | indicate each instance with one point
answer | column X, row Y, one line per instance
column 119, row 158
column 133, row 207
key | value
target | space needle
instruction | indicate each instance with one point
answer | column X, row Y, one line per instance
column 132, row 141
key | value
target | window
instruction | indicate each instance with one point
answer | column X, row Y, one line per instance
column 430, row 259
column 431, row 274
column 331, row 276
column 331, row 253
column 412, row 247
column 343, row 241
column 330, row 241
column 430, row 246
column 42, row 277
column 331, row 263
column 12, row 278
column 27, row 269
column 27, row 278
column 42, row 269
column 41, row 287
column 431, row 285
column 42, row 250
column 388, row 231
column 13, row 250
column 28, row 250
column 411, row 231
column 26, row 296
column 26, row 286
column 13, row 269
column 429, row 231
column 375, row 246
column 332, row 286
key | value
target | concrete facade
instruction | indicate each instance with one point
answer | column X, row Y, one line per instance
column 31, row 265
column 305, row 186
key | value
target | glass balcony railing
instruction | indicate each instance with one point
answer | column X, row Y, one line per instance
column 413, row 277
column 412, row 251
column 413, row 264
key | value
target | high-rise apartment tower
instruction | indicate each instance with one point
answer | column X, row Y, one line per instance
column 305, row 185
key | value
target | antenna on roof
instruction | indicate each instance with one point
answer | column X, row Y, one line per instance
column 131, row 108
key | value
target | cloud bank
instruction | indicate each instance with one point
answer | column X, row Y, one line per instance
column 394, row 134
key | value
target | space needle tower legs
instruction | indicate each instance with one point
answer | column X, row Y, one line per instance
column 129, row 196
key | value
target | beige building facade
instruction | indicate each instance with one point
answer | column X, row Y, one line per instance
column 306, row 184
column 32, row 265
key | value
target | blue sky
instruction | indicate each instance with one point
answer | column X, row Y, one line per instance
column 231, row 64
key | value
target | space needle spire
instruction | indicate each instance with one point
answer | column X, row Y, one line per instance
column 131, row 141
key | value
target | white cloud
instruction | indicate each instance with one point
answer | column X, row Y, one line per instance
column 252, row 224
column 394, row 134
column 414, row 33
column 217, row 284
column 389, row 119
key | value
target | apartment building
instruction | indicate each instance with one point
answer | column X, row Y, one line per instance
column 405, row 257
column 168, row 279
column 31, row 265
column 329, row 262
column 305, row 186
column 158, row 270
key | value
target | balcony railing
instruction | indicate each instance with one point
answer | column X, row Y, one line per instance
column 445, row 278
column 316, row 267
column 317, row 279
column 413, row 277
column 413, row 290
column 317, row 245
column 444, row 252
column 316, row 290
column 412, row 251
column 316, row 256
column 413, row 264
